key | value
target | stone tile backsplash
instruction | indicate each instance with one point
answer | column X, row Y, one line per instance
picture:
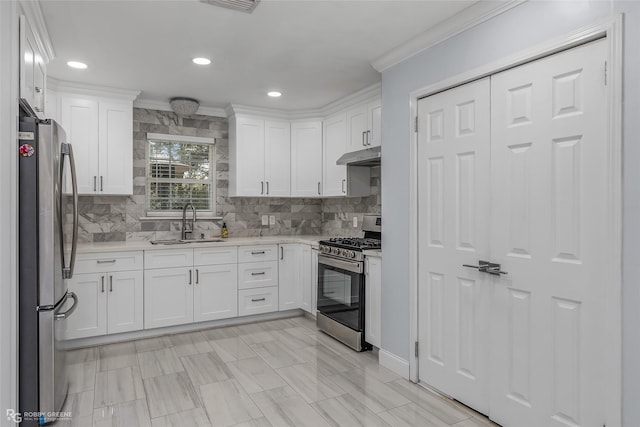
column 119, row 218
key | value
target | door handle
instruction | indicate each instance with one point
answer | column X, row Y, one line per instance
column 267, row 188
column 197, row 276
column 257, row 299
column 262, row 273
column 67, row 313
column 110, row 283
column 487, row 267
column 363, row 143
column 368, row 137
column 319, row 193
column 190, row 272
column 106, row 261
column 281, row 252
column 343, row 182
column 95, row 183
column 102, row 284
column 101, row 184
column 262, row 187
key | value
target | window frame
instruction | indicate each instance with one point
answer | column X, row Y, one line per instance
column 183, row 139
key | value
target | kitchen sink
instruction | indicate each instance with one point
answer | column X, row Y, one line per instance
column 183, row 242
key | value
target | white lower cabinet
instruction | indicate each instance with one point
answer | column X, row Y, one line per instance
column 309, row 278
column 373, row 300
column 290, row 275
column 204, row 287
column 257, row 301
column 108, row 303
column 215, row 294
column 168, row 297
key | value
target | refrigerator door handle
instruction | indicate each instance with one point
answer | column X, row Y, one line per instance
column 71, row 309
column 67, row 149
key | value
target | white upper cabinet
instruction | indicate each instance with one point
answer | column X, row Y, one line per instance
column 335, row 145
column 277, row 159
column 259, row 158
column 374, row 116
column 32, row 69
column 306, row 159
column 115, row 166
column 364, row 126
column 100, row 129
column 79, row 118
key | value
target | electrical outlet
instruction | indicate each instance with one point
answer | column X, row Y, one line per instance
column 355, row 221
column 265, row 220
column 272, row 220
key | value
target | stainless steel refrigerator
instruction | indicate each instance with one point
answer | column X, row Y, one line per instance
column 48, row 230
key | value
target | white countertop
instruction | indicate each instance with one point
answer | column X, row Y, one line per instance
column 230, row 241
column 373, row 252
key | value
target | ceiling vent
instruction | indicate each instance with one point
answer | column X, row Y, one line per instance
column 184, row 106
column 242, row 5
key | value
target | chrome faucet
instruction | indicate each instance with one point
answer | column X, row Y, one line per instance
column 187, row 227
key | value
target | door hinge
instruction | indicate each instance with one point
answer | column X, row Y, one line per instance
column 415, row 126
column 605, row 73
column 416, row 349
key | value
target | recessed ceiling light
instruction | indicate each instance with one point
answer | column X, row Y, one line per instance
column 76, row 64
column 274, row 94
column 201, row 61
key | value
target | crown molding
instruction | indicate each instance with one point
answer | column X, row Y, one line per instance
column 467, row 18
column 91, row 90
column 367, row 94
column 152, row 104
column 32, row 11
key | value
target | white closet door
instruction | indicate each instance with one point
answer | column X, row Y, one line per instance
column 454, row 184
column 548, row 230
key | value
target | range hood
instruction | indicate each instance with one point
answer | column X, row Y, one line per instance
column 366, row 157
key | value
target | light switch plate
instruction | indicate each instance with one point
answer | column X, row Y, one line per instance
column 355, row 221
column 272, row 220
column 265, row 220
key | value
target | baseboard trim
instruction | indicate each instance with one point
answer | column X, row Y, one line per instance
column 394, row 363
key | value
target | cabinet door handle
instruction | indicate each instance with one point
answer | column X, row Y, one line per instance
column 197, row 276
column 106, row 261
column 267, row 188
column 262, row 273
column 102, row 283
column 190, row 272
column 262, row 187
column 257, row 299
column 38, row 90
column 319, row 193
column 257, row 253
column 95, row 183
column 343, row 182
column 363, row 143
column 281, row 252
column 101, row 186
column 110, row 283
column 368, row 137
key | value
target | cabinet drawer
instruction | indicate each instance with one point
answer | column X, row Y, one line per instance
column 168, row 258
column 108, row 261
column 215, row 256
column 256, row 301
column 257, row 275
column 258, row 253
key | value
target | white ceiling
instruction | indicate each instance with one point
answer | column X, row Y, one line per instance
column 315, row 52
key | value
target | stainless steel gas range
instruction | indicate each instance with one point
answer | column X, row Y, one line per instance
column 341, row 284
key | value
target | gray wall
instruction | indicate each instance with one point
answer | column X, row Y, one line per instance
column 118, row 218
column 529, row 24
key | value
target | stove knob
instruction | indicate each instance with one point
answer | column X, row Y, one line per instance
column 353, row 254
column 335, row 251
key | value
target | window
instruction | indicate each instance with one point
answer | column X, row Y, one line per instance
column 180, row 170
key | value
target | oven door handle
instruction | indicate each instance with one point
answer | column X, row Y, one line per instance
column 354, row 267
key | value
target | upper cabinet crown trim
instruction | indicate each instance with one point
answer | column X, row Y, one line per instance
column 367, row 94
column 33, row 13
column 466, row 19
column 91, row 90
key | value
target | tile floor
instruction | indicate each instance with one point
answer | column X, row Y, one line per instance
column 276, row 373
